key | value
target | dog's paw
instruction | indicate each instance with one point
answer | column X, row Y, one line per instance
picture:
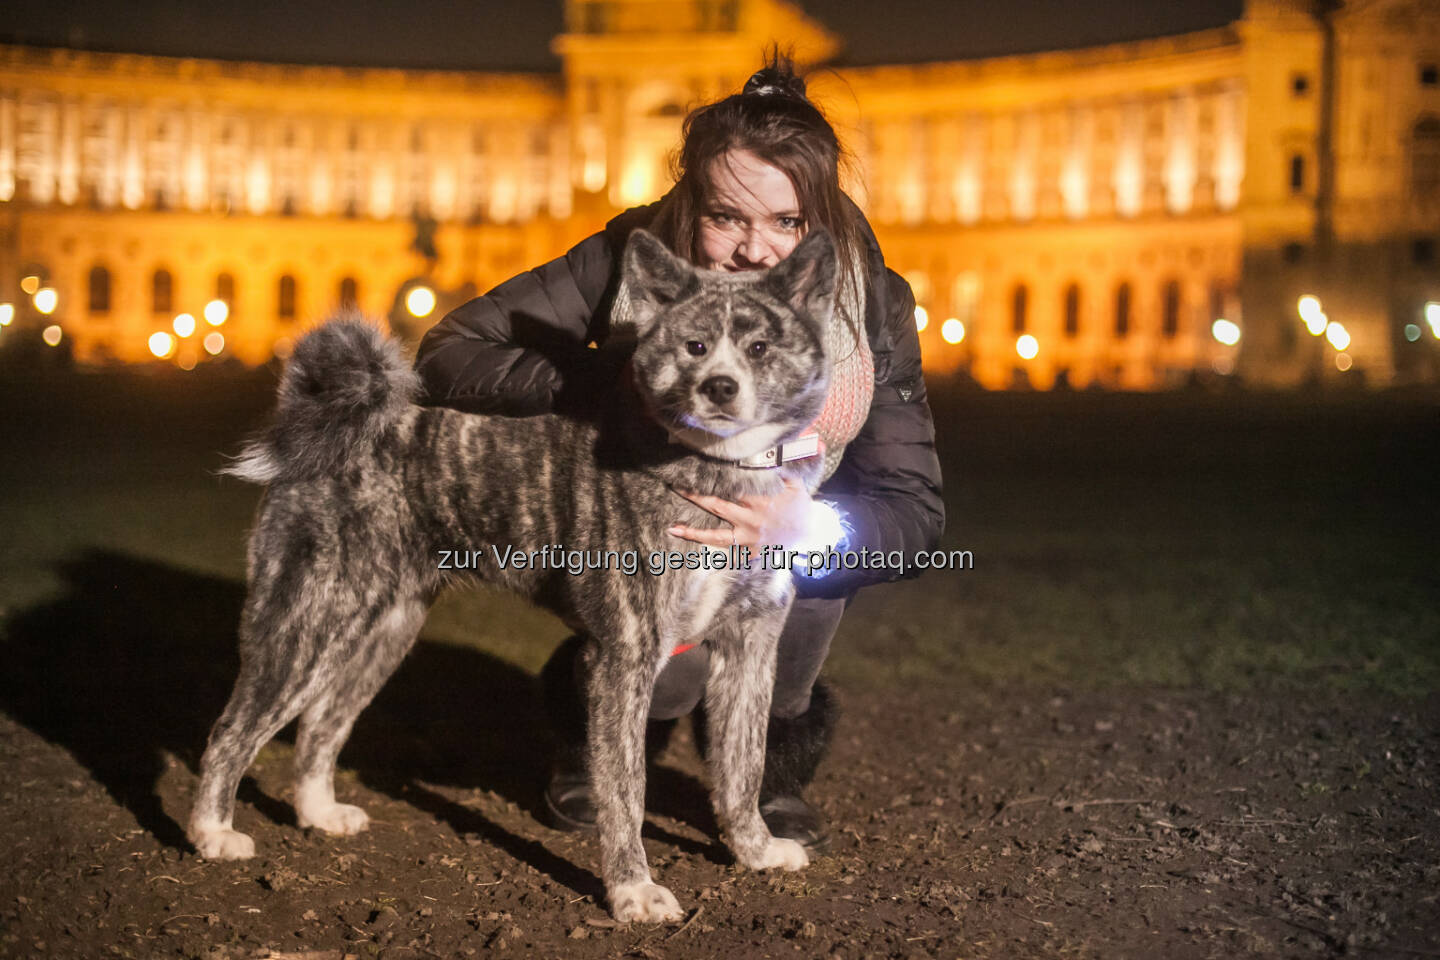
column 224, row 845
column 645, row 902
column 780, row 852
column 341, row 819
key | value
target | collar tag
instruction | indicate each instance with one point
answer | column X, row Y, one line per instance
column 801, row 448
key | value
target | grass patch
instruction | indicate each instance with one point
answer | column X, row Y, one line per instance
column 1225, row 543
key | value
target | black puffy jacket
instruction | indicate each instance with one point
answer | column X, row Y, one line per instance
column 521, row 350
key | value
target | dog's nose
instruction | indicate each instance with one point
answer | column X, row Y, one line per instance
column 720, row 390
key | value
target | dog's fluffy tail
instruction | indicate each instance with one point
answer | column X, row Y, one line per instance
column 345, row 385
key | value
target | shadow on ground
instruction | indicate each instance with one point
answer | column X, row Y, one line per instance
column 135, row 659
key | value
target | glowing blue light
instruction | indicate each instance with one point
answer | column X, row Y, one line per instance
column 825, row 535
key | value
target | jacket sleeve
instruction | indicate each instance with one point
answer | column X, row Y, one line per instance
column 512, row 350
column 887, row 487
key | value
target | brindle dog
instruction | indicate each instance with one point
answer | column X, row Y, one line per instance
column 367, row 494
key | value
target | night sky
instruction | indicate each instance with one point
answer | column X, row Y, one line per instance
column 476, row 35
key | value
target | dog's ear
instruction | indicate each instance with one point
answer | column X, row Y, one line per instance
column 654, row 277
column 807, row 278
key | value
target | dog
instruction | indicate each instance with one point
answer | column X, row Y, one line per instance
column 366, row 492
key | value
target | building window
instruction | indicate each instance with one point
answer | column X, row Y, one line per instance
column 162, row 292
column 1299, row 85
column 225, row 290
column 1122, row 311
column 1297, row 173
column 1072, row 310
column 1429, row 75
column 286, row 305
column 99, row 290
column 1293, row 252
column 1019, row 304
column 1422, row 251
column 1425, row 160
column 349, row 293
column 1170, row 322
column 1217, row 301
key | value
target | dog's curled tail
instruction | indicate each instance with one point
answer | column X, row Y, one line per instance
column 345, row 385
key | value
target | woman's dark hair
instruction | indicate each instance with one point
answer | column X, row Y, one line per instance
column 773, row 119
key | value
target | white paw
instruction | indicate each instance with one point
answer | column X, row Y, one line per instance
column 219, row 844
column 645, row 902
column 341, row 819
column 783, row 853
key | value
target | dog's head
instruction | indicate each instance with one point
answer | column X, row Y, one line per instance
column 731, row 363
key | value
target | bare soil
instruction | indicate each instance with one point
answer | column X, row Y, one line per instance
column 1137, row 823
column 1185, row 706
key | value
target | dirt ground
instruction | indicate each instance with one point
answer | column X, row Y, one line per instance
column 1184, row 706
column 984, row 825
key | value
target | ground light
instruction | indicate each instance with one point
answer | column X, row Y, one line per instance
column 1432, row 317
column 52, row 335
column 184, row 325
column 161, row 344
column 46, row 300
column 214, row 342
column 922, row 317
column 7, row 314
column 420, row 301
column 216, row 312
column 1412, row 332
column 1310, row 312
column 952, row 330
column 1338, row 336
column 1226, row 331
column 1027, row 346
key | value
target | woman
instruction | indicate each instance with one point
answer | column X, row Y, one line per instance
column 756, row 171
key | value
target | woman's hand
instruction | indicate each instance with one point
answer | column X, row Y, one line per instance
column 755, row 521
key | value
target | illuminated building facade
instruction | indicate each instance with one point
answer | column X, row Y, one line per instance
column 1097, row 210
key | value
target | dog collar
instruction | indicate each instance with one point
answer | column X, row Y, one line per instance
column 802, row 447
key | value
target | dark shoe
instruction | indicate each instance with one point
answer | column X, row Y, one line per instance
column 794, row 819
column 569, row 805
column 794, row 747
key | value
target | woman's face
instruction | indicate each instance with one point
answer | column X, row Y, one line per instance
column 751, row 219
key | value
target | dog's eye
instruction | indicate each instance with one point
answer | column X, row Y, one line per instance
column 695, row 347
column 758, row 348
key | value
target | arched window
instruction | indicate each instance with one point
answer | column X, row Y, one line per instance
column 1122, row 311
column 162, row 292
column 1019, row 306
column 225, row 290
column 285, row 305
column 1297, row 174
column 1218, row 299
column 99, row 289
column 1072, row 310
column 1425, row 161
column 349, row 292
column 1170, row 322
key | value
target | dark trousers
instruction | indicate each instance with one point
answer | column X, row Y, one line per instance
column 804, row 645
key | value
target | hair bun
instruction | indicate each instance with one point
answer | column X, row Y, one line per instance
column 768, row 81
